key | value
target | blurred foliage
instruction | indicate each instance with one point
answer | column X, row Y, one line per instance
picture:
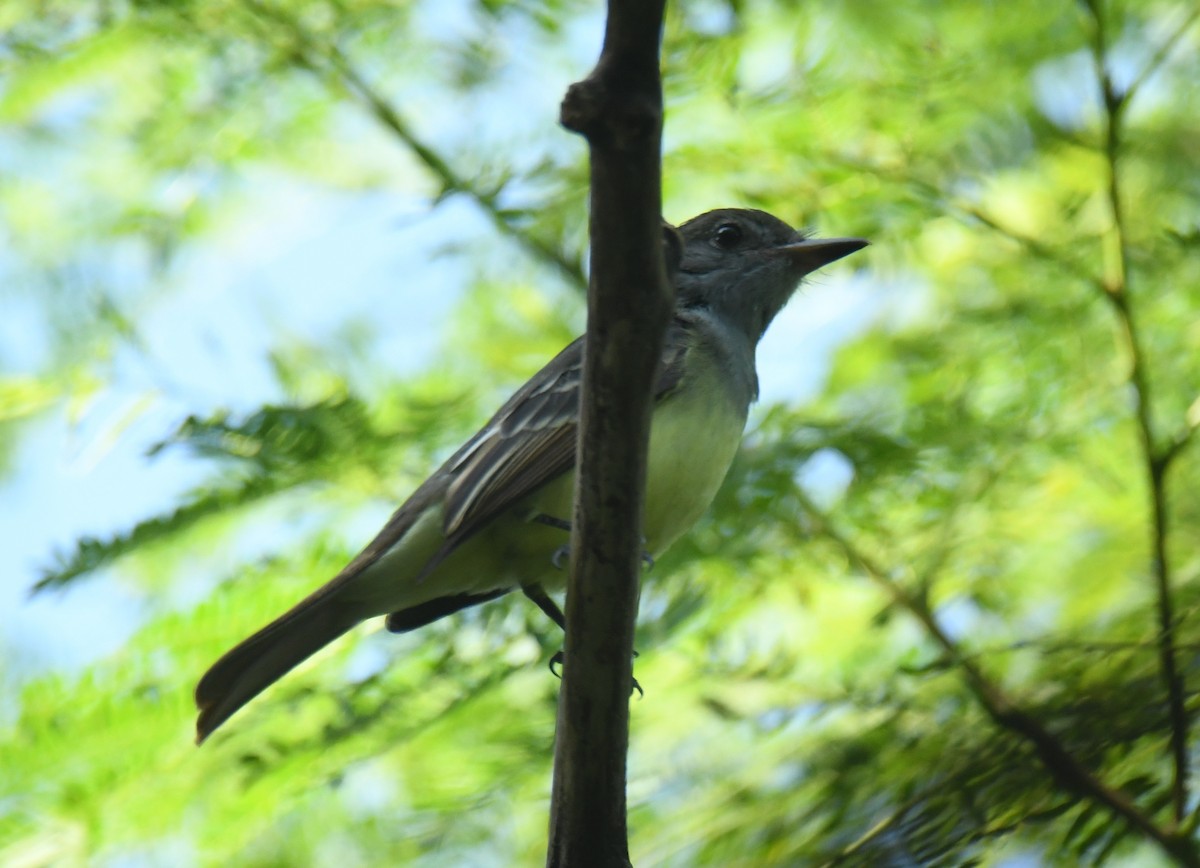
column 997, row 431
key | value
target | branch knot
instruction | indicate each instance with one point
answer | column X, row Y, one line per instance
column 608, row 112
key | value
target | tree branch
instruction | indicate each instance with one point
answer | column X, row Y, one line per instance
column 1067, row 771
column 1161, row 55
column 1154, row 460
column 618, row 108
column 329, row 61
column 1038, row 248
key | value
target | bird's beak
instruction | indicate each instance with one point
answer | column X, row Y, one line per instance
column 812, row 253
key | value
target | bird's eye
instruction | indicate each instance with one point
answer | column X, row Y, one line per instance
column 727, row 236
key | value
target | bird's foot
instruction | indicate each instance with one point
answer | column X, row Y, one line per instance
column 557, row 660
column 561, row 556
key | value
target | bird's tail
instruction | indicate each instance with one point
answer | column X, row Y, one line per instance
column 256, row 663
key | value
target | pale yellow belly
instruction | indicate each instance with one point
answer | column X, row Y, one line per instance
column 693, row 440
column 691, row 448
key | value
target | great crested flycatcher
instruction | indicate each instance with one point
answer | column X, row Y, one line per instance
column 491, row 518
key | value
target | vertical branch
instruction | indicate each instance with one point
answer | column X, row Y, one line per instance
column 1154, row 460
column 618, row 108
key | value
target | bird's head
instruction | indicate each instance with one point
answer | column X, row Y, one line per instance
column 744, row 265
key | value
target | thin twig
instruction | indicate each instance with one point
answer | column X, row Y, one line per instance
column 874, row 833
column 1181, row 440
column 992, row 831
column 327, row 60
column 569, row 267
column 1068, row 771
column 1033, row 245
column 1154, row 461
column 1160, row 56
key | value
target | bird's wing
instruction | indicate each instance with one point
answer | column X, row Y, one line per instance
column 531, row 440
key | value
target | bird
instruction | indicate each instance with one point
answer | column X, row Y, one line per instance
column 492, row 519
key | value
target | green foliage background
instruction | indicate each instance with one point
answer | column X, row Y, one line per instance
column 821, row 661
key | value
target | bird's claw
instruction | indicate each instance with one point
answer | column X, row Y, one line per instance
column 556, row 659
column 648, row 560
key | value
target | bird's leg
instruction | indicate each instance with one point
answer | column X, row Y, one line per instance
column 563, row 551
column 546, row 603
column 551, row 521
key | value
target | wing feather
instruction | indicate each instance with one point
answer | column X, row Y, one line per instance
column 531, row 441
